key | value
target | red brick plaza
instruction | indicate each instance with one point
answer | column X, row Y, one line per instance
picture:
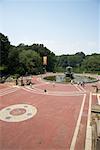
column 57, row 119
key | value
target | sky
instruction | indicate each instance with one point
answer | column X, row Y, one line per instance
column 63, row 26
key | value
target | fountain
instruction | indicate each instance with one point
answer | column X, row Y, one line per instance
column 68, row 73
column 69, row 76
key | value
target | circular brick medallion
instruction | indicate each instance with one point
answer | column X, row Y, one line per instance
column 17, row 113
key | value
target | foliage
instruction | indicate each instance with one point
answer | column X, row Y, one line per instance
column 92, row 63
column 31, row 61
column 13, row 58
column 43, row 51
column 4, row 49
column 27, row 59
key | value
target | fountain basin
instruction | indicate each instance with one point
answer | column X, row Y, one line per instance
column 61, row 78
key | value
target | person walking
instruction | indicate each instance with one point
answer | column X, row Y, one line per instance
column 16, row 81
column 22, row 84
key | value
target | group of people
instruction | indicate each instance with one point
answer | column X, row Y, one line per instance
column 82, row 83
column 22, row 82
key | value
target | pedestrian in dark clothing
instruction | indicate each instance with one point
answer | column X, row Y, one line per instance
column 22, row 84
column 97, row 89
column 45, row 90
column 16, row 81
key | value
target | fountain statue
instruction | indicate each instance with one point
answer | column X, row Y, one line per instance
column 69, row 73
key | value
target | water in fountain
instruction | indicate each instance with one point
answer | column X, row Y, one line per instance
column 69, row 76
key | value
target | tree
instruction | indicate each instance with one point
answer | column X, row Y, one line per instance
column 81, row 54
column 62, row 61
column 51, row 62
column 30, row 61
column 43, row 51
column 13, row 58
column 92, row 63
column 4, row 49
column 24, row 58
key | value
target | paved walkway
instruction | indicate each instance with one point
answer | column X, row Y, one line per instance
column 60, row 122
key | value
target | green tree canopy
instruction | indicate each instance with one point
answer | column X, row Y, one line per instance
column 29, row 58
column 92, row 63
column 4, row 50
column 31, row 61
